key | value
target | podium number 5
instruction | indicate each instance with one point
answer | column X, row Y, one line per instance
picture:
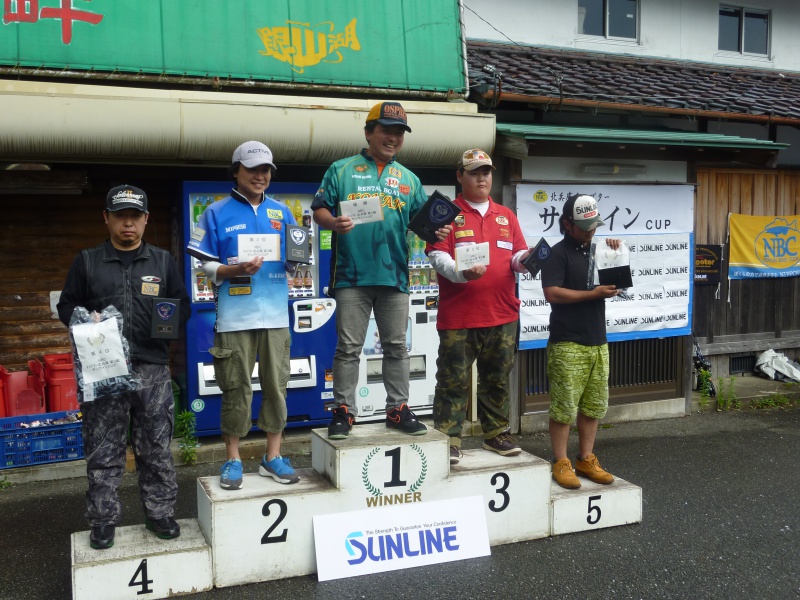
column 592, row 520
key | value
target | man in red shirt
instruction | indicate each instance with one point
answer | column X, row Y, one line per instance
column 478, row 309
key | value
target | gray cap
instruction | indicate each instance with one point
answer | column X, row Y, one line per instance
column 253, row 154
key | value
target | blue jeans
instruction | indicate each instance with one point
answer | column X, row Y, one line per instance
column 353, row 306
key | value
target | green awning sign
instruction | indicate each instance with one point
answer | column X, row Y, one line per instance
column 403, row 44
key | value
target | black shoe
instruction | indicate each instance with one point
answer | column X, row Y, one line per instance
column 341, row 424
column 406, row 421
column 166, row 528
column 455, row 455
column 102, row 537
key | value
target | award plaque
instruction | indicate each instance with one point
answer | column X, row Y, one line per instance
column 165, row 319
column 297, row 244
column 616, row 276
column 437, row 212
column 539, row 254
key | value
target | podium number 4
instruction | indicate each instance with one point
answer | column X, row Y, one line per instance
column 144, row 582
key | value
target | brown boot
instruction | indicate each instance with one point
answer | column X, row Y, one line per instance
column 590, row 468
column 564, row 475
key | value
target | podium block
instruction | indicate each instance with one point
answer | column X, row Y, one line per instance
column 140, row 565
column 263, row 531
column 515, row 490
column 594, row 506
column 376, row 466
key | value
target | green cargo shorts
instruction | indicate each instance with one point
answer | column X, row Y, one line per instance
column 578, row 378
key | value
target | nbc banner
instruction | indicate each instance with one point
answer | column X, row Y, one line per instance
column 763, row 246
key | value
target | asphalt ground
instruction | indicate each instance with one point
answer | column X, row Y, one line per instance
column 720, row 492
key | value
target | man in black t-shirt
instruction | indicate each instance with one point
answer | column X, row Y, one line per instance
column 577, row 351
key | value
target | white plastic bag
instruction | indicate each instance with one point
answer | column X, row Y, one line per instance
column 776, row 366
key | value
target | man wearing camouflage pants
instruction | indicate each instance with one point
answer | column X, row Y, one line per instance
column 137, row 279
column 478, row 311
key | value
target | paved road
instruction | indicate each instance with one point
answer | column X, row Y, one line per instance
column 721, row 520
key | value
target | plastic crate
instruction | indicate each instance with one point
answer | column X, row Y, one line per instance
column 27, row 446
column 24, row 390
column 61, row 389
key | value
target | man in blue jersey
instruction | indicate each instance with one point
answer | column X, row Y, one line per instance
column 369, row 265
column 252, row 301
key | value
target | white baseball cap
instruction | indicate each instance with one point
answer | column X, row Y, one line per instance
column 253, row 154
column 584, row 212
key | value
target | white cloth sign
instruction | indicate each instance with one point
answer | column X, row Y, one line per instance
column 656, row 223
column 99, row 348
column 400, row 536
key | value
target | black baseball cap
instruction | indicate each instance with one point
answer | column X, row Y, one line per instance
column 126, row 196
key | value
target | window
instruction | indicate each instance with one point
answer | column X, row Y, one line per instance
column 608, row 18
column 743, row 30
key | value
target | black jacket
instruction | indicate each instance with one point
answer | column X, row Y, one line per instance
column 98, row 278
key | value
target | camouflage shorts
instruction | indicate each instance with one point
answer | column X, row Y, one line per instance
column 578, row 378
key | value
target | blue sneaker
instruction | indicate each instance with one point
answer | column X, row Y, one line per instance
column 230, row 477
column 279, row 468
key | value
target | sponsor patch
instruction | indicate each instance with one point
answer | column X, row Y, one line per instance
column 198, row 234
column 240, row 290
column 465, row 233
column 501, row 220
column 150, row 289
column 394, row 172
column 460, row 220
column 361, row 168
column 274, row 213
column 504, row 232
column 462, row 244
column 405, row 189
column 151, row 279
column 276, row 225
column 233, row 260
column 505, row 245
column 392, row 182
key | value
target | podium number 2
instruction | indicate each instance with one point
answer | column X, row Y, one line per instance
column 266, row 538
column 592, row 520
column 143, row 583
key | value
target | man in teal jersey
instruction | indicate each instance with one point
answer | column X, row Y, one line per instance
column 369, row 265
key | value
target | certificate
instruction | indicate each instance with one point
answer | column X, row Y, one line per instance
column 266, row 245
column 363, row 210
column 474, row 254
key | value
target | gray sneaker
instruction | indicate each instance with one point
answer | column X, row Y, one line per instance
column 503, row 444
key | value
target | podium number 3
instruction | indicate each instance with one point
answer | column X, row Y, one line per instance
column 266, row 538
column 504, row 479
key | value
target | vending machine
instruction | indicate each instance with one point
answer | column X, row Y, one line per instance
column 312, row 321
